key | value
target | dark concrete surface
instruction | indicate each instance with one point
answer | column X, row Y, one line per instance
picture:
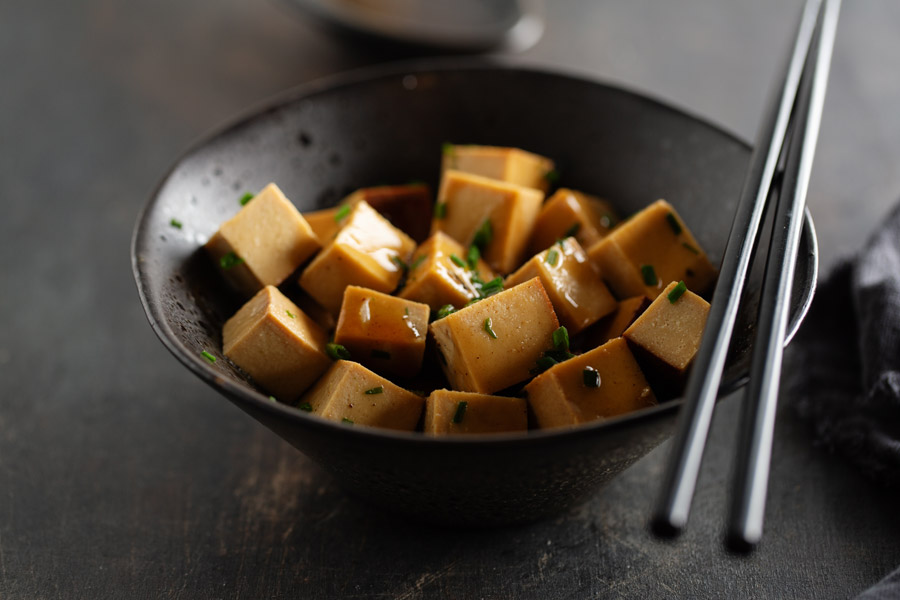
column 122, row 476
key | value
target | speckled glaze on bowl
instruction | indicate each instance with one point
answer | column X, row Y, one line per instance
column 323, row 140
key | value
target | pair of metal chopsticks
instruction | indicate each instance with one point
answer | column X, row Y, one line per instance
column 794, row 115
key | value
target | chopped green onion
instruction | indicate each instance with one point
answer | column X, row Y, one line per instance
column 552, row 176
column 440, row 210
column 673, row 223
column 484, row 235
column 460, row 412
column 337, row 352
column 306, row 406
column 375, row 390
column 246, row 198
column 552, row 257
column 491, row 287
column 649, row 275
column 230, row 260
column 289, row 313
column 573, row 230
column 677, row 292
column 273, row 399
column 488, row 327
column 406, row 311
column 473, row 257
column 401, row 264
column 342, row 213
column 689, row 247
column 561, row 339
column 208, row 356
column 457, row 261
column 175, row 223
column 447, row 309
column 544, row 363
column 591, row 377
column 347, row 421
column 417, row 262
column 381, row 354
column 447, row 149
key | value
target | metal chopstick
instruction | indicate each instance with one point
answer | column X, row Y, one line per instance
column 758, row 423
column 673, row 506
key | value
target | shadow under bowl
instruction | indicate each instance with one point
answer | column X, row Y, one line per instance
column 323, row 140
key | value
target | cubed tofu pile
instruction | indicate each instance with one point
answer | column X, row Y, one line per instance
column 455, row 316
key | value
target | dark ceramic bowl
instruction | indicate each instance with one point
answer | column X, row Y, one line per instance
column 323, row 140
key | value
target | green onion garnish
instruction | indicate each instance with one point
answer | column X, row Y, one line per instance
column 473, row 256
column 401, row 264
column 381, row 354
column 337, row 352
column 208, row 356
column 273, row 399
column 447, row 149
column 552, row 176
column 246, row 198
column 175, row 223
column 483, row 236
column 445, row 310
column 306, row 406
column 677, row 292
column 649, row 275
column 347, row 421
column 342, row 213
column 689, row 247
column 440, row 210
column 591, row 377
column 417, row 262
column 488, row 327
column 289, row 313
column 552, row 257
column 375, row 390
column 406, row 311
column 230, row 260
column 673, row 223
column 573, row 230
column 544, row 363
column 491, row 287
column 460, row 412
column 561, row 339
column 457, row 261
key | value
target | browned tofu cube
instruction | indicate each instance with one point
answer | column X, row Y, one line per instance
column 494, row 343
column 408, row 207
column 615, row 324
column 327, row 222
column 262, row 244
column 367, row 251
column 384, row 333
column 494, row 215
column 605, row 382
column 351, row 394
column 649, row 249
column 505, row 164
column 440, row 274
column 579, row 296
column 666, row 337
column 450, row 412
column 570, row 213
column 277, row 344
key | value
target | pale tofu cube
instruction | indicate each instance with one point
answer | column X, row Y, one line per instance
column 505, row 164
column 440, row 274
column 367, row 251
column 277, row 344
column 263, row 243
column 351, row 394
column 385, row 333
column 650, row 249
column 494, row 343
column 407, row 206
column 573, row 283
column 495, row 215
column 570, row 213
column 666, row 337
column 615, row 324
column 451, row 412
column 603, row 383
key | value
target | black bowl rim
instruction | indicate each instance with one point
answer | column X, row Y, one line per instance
column 238, row 392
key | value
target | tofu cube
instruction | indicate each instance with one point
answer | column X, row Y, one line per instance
column 615, row 324
column 327, row 222
column 367, row 251
column 439, row 274
column 570, row 213
column 451, row 412
column 277, row 344
column 408, row 207
column 573, row 283
column 649, row 249
column 605, row 382
column 384, row 333
column 351, row 394
column 495, row 342
column 262, row 244
column 501, row 215
column 666, row 337
column 505, row 164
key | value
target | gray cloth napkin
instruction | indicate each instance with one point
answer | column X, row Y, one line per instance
column 849, row 348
